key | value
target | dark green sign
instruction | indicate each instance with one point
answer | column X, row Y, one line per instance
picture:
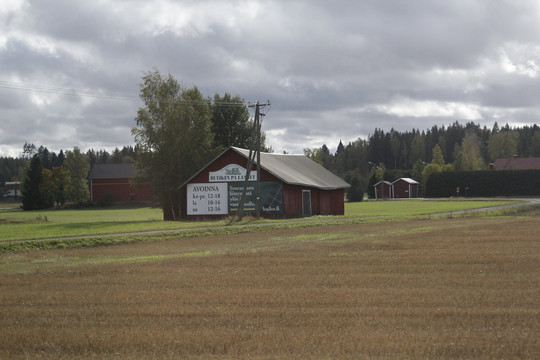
column 271, row 197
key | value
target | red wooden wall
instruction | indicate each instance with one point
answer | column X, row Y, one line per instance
column 120, row 189
column 401, row 190
column 383, row 191
column 323, row 202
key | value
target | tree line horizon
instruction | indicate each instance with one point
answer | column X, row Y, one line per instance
column 381, row 147
column 178, row 130
column 417, row 154
column 393, row 153
column 395, row 149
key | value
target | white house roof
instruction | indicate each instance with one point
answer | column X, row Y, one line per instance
column 293, row 170
column 409, row 180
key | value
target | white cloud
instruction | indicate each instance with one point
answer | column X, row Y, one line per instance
column 522, row 61
column 53, row 48
column 63, row 132
column 331, row 70
column 40, row 100
column 188, row 19
column 404, row 107
column 10, row 10
column 11, row 15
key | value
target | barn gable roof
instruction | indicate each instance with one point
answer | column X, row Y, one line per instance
column 298, row 170
column 292, row 169
column 112, row 171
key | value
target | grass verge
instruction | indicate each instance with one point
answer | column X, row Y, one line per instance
column 86, row 228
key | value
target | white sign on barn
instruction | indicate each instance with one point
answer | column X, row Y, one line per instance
column 231, row 172
column 207, row 199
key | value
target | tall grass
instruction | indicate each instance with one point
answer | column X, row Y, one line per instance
column 464, row 288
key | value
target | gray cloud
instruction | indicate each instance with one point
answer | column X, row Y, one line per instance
column 332, row 70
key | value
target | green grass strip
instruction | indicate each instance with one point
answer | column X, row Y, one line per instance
column 15, row 246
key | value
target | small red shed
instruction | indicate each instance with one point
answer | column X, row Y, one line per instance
column 383, row 190
column 291, row 186
column 115, row 180
column 405, row 188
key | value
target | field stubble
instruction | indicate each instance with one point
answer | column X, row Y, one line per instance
column 449, row 288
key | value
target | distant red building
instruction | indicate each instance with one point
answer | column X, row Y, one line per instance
column 11, row 189
column 516, row 163
column 383, row 190
column 291, row 186
column 115, row 181
column 405, row 188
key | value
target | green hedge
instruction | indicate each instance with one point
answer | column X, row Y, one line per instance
column 484, row 183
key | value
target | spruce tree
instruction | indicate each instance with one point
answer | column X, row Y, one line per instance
column 31, row 194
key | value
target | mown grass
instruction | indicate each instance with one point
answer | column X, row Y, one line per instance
column 16, row 224
column 461, row 288
column 117, row 239
column 416, row 207
column 21, row 225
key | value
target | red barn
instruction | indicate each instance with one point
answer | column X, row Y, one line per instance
column 383, row 190
column 114, row 181
column 291, row 186
column 405, row 188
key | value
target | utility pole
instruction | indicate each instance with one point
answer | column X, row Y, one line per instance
column 255, row 150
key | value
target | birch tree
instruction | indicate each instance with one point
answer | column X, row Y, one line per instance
column 174, row 136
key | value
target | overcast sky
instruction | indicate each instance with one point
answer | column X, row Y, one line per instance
column 332, row 70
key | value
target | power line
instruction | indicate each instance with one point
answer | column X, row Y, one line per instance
column 64, row 91
column 98, row 94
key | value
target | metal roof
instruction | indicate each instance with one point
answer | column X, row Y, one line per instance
column 517, row 163
column 409, row 180
column 291, row 169
column 112, row 171
column 298, row 170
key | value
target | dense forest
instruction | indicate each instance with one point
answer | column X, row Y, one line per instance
column 416, row 154
column 401, row 150
column 12, row 169
column 383, row 155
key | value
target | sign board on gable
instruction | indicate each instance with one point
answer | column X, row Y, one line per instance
column 231, row 172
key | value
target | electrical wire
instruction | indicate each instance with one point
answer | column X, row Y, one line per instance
column 64, row 91
column 100, row 94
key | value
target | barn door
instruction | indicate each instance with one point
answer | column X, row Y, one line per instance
column 306, row 202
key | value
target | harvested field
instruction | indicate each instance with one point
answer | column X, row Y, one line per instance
column 463, row 288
